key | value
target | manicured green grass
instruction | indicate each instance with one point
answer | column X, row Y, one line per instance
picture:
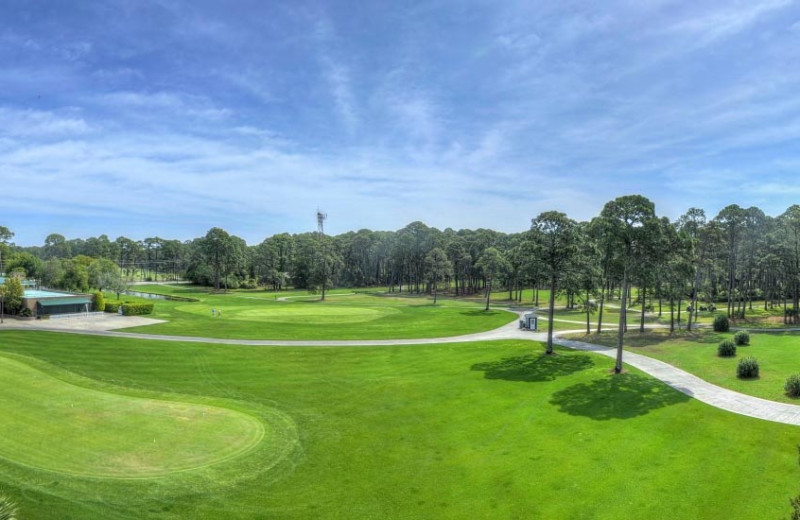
column 87, row 432
column 480, row 430
column 261, row 315
column 576, row 319
column 778, row 355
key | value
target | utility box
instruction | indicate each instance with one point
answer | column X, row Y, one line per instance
column 531, row 321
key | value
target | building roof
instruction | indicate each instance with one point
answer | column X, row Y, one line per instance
column 24, row 283
column 51, row 302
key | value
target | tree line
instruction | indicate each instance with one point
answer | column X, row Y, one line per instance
column 730, row 260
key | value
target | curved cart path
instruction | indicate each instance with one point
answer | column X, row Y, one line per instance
column 682, row 381
column 508, row 331
column 698, row 388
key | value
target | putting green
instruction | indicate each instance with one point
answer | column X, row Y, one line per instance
column 297, row 313
column 54, row 425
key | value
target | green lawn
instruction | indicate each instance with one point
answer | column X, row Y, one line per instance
column 778, row 355
column 479, row 430
column 576, row 319
column 95, row 433
column 343, row 315
column 369, row 314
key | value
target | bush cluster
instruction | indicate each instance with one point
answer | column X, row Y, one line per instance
column 99, row 301
column 748, row 368
column 249, row 283
column 792, row 386
column 721, row 323
column 112, row 307
column 726, row 348
column 136, row 309
column 741, row 338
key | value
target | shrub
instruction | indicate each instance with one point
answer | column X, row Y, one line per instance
column 25, row 312
column 726, row 348
column 112, row 307
column 99, row 301
column 742, row 337
column 792, row 386
column 137, row 309
column 747, row 368
column 249, row 283
column 721, row 323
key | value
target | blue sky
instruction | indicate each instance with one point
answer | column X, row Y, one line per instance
column 165, row 118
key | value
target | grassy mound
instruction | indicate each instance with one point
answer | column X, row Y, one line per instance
column 80, row 431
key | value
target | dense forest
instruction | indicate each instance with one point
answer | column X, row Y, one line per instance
column 734, row 259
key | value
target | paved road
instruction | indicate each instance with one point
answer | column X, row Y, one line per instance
column 683, row 381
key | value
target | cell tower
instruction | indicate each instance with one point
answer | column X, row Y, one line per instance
column 321, row 222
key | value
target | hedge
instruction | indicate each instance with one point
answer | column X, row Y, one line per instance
column 136, row 309
column 113, row 307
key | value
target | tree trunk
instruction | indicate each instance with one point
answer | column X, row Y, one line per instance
column 622, row 320
column 550, row 314
column 671, row 315
column 644, row 300
column 588, row 307
column 600, row 312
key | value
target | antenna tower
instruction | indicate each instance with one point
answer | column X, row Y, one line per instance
column 321, row 222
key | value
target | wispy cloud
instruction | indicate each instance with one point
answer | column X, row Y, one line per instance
column 336, row 74
column 39, row 123
column 727, row 20
column 182, row 104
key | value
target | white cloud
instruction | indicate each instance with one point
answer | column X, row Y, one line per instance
column 184, row 104
column 336, row 74
column 338, row 77
column 29, row 123
column 727, row 20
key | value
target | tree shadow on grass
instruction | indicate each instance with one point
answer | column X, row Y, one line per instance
column 481, row 312
column 621, row 396
column 534, row 368
column 650, row 338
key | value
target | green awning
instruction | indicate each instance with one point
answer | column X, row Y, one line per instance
column 52, row 302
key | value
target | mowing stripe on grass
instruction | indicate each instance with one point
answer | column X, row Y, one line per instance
column 54, row 425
